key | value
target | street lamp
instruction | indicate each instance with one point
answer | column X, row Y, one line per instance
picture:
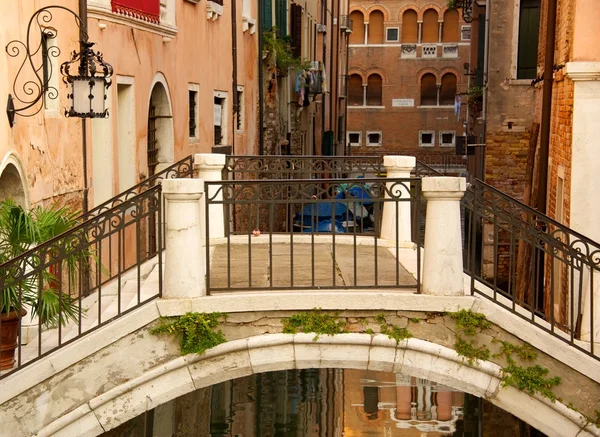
column 87, row 94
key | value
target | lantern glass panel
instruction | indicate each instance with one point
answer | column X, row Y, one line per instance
column 98, row 91
column 81, row 95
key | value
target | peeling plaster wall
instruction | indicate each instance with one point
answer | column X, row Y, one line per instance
column 112, row 383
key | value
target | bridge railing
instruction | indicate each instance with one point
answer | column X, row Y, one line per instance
column 302, row 167
column 311, row 233
column 532, row 265
column 94, row 271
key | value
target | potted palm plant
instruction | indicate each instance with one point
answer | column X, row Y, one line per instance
column 21, row 230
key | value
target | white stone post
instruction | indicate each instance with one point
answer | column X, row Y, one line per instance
column 184, row 257
column 398, row 222
column 210, row 168
column 443, row 258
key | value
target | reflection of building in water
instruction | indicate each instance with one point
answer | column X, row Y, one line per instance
column 401, row 405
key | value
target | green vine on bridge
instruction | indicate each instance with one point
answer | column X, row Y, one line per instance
column 316, row 321
column 196, row 331
column 392, row 331
column 530, row 379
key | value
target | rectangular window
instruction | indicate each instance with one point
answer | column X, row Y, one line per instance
column 529, row 25
column 426, row 138
column 392, row 34
column 447, row 139
column 220, row 118
column 373, row 139
column 354, row 139
column 239, row 121
column 193, row 111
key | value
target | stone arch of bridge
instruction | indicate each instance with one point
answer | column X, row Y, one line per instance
column 273, row 352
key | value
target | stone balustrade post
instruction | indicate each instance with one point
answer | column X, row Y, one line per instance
column 396, row 221
column 443, row 257
column 210, row 168
column 184, row 256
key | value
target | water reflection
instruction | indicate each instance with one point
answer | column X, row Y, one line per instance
column 325, row 403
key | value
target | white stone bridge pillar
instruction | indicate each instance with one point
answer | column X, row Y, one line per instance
column 443, row 257
column 185, row 259
column 210, row 168
column 397, row 221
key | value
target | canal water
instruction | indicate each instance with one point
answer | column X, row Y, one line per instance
column 326, row 403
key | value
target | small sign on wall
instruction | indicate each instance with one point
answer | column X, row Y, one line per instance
column 405, row 103
column 217, row 114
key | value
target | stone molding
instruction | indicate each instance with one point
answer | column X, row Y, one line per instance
column 273, row 352
column 209, row 161
column 102, row 13
column 583, row 71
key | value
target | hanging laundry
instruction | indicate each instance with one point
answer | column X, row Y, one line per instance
column 457, row 105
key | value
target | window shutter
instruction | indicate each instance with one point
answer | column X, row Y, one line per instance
column 529, row 24
column 267, row 14
column 296, row 31
column 281, row 17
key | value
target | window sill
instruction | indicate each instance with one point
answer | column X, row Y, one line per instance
column 213, row 10
column 366, row 107
column 519, row 82
column 436, row 107
column 102, row 13
column 249, row 23
column 373, row 145
column 427, row 145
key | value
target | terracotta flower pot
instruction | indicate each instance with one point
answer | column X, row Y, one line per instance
column 9, row 331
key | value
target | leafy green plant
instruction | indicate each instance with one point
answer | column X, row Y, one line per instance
column 531, row 379
column 469, row 351
column 392, row 331
column 470, row 322
column 318, row 321
column 452, row 4
column 196, row 331
column 21, row 230
column 284, row 55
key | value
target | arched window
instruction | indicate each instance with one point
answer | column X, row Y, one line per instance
column 428, row 90
column 430, row 26
column 448, row 91
column 375, row 28
column 450, row 26
column 355, row 90
column 410, row 28
column 358, row 28
column 374, row 90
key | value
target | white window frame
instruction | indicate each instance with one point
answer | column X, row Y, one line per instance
column 374, row 144
column 421, row 144
column 392, row 40
column 196, row 88
column 224, row 117
column 444, row 132
column 359, row 144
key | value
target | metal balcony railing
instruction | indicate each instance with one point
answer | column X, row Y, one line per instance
column 346, row 23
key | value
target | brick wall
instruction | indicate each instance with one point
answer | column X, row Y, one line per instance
column 400, row 126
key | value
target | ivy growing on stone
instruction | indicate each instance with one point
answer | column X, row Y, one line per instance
column 196, row 331
column 392, row 331
column 317, row 321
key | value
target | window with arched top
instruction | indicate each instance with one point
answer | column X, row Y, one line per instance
column 374, row 85
column 410, row 27
column 450, row 26
column 428, row 90
column 430, row 26
column 448, row 89
column 355, row 90
column 375, row 35
column 358, row 28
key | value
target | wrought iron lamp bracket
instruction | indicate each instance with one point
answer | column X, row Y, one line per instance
column 32, row 83
column 467, row 9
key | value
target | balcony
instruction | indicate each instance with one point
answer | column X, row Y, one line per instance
column 346, row 23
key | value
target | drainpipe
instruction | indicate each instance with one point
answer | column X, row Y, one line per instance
column 83, row 37
column 324, row 22
column 261, row 99
column 236, row 103
column 486, row 57
column 546, row 106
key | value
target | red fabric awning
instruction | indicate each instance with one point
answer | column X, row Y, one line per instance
column 147, row 10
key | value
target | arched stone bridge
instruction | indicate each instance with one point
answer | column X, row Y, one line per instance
column 122, row 370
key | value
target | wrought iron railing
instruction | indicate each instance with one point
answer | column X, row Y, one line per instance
column 346, row 23
column 444, row 162
column 532, row 265
column 181, row 169
column 94, row 271
column 301, row 167
column 329, row 240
